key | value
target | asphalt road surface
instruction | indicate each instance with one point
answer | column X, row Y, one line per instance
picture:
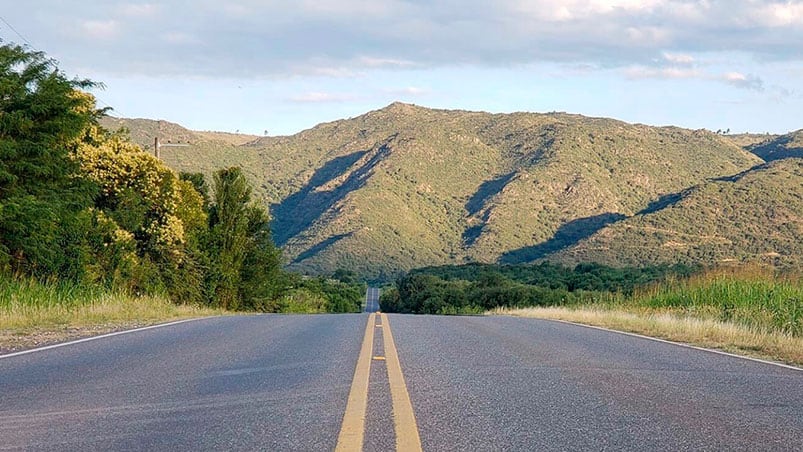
column 371, row 300
column 276, row 382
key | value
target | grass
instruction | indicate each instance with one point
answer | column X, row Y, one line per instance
column 752, row 297
column 750, row 311
column 32, row 313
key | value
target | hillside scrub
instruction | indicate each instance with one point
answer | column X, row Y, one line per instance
column 84, row 206
column 463, row 186
column 512, row 188
column 753, row 217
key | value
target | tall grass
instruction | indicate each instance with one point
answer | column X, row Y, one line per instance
column 754, row 297
column 29, row 304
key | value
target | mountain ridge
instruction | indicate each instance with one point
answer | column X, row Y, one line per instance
column 406, row 186
column 749, row 217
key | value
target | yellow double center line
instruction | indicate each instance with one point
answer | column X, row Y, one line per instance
column 352, row 430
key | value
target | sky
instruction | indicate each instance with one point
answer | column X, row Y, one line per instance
column 277, row 67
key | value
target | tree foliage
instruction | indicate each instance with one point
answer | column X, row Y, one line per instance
column 246, row 263
column 80, row 203
column 480, row 287
column 42, row 117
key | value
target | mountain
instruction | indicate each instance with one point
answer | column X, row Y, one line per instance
column 407, row 186
column 785, row 146
column 756, row 216
column 143, row 131
column 748, row 140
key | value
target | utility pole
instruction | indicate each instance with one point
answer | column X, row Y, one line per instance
column 157, row 147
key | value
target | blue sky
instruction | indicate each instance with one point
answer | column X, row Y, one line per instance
column 283, row 66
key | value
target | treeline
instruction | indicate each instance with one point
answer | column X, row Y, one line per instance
column 82, row 204
column 476, row 288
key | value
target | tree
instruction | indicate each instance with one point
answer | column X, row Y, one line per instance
column 247, row 265
column 42, row 119
column 228, row 222
column 262, row 279
column 144, row 198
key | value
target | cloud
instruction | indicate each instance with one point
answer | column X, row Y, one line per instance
column 678, row 58
column 781, row 14
column 384, row 62
column 345, row 38
column 101, row 29
column 743, row 81
column 641, row 72
column 733, row 78
column 177, row 37
column 569, row 10
column 139, row 9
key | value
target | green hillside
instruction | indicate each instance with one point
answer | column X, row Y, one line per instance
column 753, row 217
column 785, row 146
column 406, row 186
column 746, row 140
column 143, row 131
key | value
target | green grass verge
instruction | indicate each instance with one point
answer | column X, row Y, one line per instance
column 752, row 297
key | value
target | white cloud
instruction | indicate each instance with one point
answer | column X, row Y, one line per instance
column 569, row 10
column 733, row 78
column 322, row 70
column 347, row 38
column 233, row 9
column 678, row 58
column 101, row 29
column 642, row 72
column 181, row 38
column 745, row 81
column 781, row 14
column 139, row 9
column 383, row 62
column 649, row 36
column 353, row 8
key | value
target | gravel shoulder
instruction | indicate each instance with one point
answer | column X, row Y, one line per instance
column 12, row 341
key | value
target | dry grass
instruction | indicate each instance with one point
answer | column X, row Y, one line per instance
column 34, row 314
column 107, row 308
column 709, row 333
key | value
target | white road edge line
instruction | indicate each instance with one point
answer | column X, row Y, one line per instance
column 679, row 344
column 92, row 338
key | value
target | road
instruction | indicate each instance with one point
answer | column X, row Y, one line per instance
column 275, row 382
column 371, row 299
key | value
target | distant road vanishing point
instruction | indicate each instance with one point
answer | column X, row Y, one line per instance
column 382, row 382
column 371, row 299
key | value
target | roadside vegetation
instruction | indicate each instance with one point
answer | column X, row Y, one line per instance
column 93, row 227
column 27, row 305
column 477, row 288
column 34, row 313
column 753, row 310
